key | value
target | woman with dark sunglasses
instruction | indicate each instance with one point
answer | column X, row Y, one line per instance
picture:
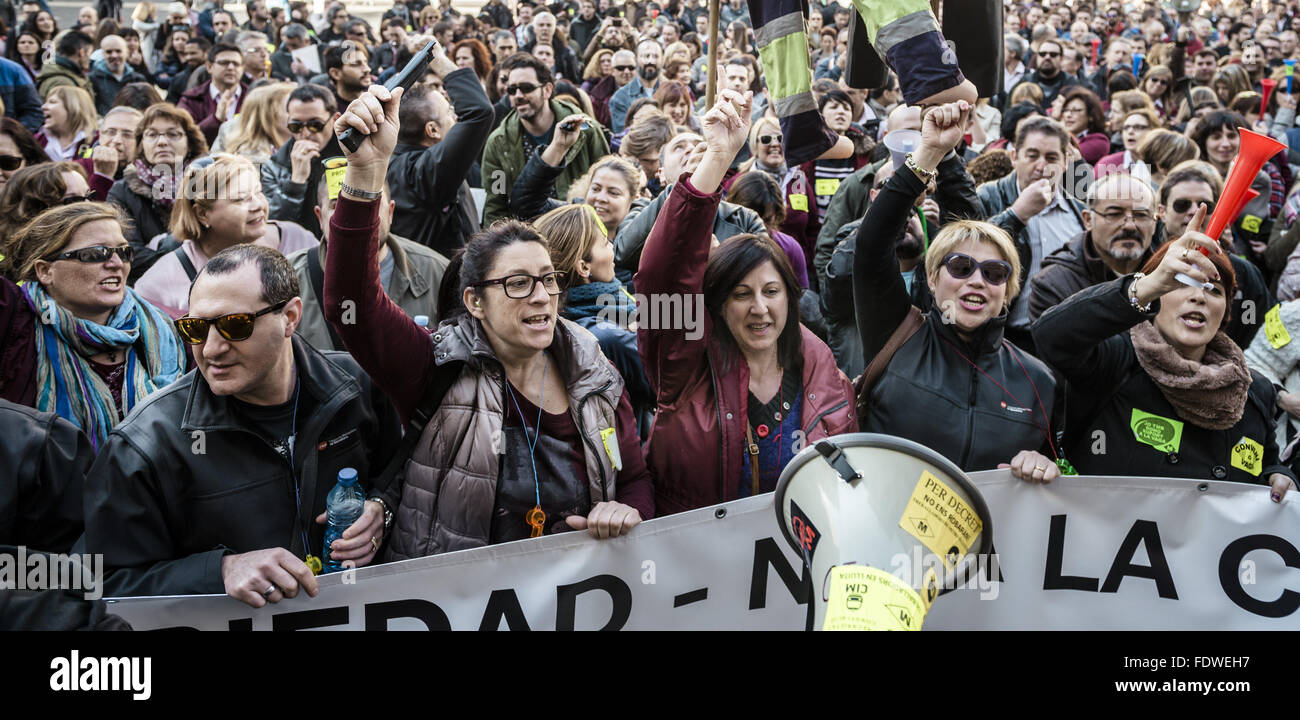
column 953, row 383
column 531, row 431
column 1158, row 377
column 18, row 149
column 92, row 348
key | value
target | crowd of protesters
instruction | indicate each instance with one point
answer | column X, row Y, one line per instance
column 209, row 306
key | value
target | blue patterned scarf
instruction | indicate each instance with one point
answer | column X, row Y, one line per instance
column 66, row 384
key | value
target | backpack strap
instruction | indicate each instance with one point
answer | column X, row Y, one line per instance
column 186, row 264
column 912, row 322
column 316, row 274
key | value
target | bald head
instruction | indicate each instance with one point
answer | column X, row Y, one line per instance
column 114, row 49
column 904, row 117
column 1121, row 220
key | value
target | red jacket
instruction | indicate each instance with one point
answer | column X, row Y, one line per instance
column 702, row 410
column 201, row 106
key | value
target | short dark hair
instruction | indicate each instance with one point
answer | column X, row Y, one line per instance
column 221, row 47
column 526, row 60
column 1214, row 122
column 294, row 30
column 471, row 265
column 311, row 92
column 415, row 110
column 838, row 96
column 735, row 258
column 1043, row 126
column 334, row 55
column 139, row 95
column 279, row 281
column 1187, row 175
column 72, row 42
column 203, row 43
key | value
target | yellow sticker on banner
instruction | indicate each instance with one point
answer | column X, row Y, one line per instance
column 940, row 519
column 826, row 186
column 1274, row 330
column 867, row 598
column 1248, row 455
column 335, row 169
column 799, row 201
column 1252, row 223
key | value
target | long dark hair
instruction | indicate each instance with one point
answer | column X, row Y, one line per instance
column 471, row 265
column 22, row 137
column 728, row 265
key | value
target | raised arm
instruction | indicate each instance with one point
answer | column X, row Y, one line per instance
column 531, row 194
column 386, row 343
column 444, row 166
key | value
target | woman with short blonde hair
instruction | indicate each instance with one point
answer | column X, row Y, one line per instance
column 70, row 123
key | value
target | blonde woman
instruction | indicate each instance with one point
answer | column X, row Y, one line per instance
column 601, row 65
column 70, row 120
column 220, row 204
column 1159, row 86
column 260, row 127
column 144, row 21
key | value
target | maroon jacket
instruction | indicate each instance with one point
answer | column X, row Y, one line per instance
column 199, row 103
column 702, row 407
column 17, row 345
column 600, row 94
column 98, row 183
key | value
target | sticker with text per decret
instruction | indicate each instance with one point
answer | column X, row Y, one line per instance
column 1248, row 455
column 1274, row 330
column 1161, row 433
column 867, row 598
column 941, row 519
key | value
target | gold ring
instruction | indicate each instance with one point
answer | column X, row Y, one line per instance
column 1185, row 253
column 1043, row 468
column 374, row 543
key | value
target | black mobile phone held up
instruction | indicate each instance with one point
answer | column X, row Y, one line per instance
column 414, row 70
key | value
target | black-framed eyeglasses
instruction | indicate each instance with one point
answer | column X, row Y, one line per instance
column 74, row 199
column 233, row 327
column 768, row 139
column 525, row 88
column 962, row 266
column 521, row 286
column 95, row 254
column 9, row 163
column 313, row 125
column 1184, row 205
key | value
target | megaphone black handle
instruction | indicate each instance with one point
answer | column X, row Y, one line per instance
column 834, row 456
column 350, row 138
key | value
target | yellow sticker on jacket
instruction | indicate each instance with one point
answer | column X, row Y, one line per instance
column 609, row 438
column 1252, row 223
column 1274, row 330
column 335, row 169
column 1248, row 455
column 826, row 186
column 799, row 201
column 867, row 598
column 940, row 519
column 1161, row 433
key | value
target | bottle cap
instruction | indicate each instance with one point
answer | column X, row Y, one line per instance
column 422, row 320
column 348, row 476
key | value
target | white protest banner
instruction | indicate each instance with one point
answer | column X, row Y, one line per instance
column 1081, row 553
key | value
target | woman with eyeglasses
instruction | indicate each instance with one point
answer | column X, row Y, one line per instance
column 1135, row 126
column 951, row 381
column 70, row 123
column 219, row 204
column 167, row 140
column 1158, row 376
column 740, row 385
column 530, row 431
column 18, row 149
column 96, row 348
column 30, row 192
column 1083, row 116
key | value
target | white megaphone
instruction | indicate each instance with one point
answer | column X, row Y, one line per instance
column 884, row 526
column 900, row 143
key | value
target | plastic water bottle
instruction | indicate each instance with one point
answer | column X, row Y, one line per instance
column 422, row 321
column 343, row 506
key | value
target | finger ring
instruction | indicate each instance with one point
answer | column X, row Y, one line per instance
column 1185, row 253
column 1042, row 468
column 269, row 591
column 374, row 543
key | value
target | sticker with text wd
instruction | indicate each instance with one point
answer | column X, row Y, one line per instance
column 940, row 519
column 867, row 598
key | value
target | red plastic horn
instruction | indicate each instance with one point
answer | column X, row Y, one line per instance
column 1095, row 45
column 1255, row 150
column 1269, row 85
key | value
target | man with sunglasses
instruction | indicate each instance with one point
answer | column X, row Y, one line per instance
column 1047, row 73
column 649, row 56
column 218, row 482
column 528, row 129
column 622, row 70
column 435, row 152
column 291, row 175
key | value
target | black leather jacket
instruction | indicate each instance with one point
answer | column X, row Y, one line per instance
column 43, row 461
column 181, row 483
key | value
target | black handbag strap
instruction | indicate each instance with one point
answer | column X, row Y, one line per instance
column 186, row 264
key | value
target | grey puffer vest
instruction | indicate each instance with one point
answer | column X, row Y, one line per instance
column 451, row 479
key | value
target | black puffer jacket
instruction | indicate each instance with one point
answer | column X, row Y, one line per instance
column 43, row 461
column 181, row 483
column 938, row 389
column 1120, row 422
